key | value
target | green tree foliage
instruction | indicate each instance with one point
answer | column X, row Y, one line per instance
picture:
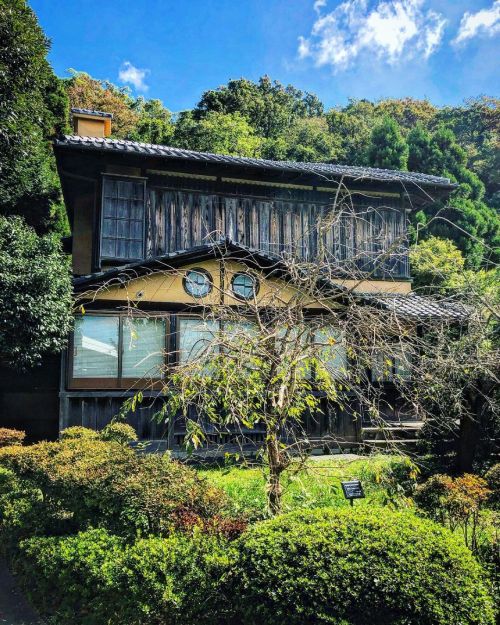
column 435, row 263
column 33, row 107
column 388, row 149
column 268, row 106
column 308, row 139
column 35, row 294
column 226, row 133
column 154, row 124
column 465, row 218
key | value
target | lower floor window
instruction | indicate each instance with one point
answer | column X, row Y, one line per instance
column 113, row 347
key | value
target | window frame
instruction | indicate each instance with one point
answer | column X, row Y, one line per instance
column 120, row 382
column 203, row 272
column 124, row 178
column 254, row 280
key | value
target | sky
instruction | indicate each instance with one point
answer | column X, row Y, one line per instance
column 174, row 50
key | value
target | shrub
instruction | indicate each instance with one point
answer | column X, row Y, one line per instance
column 77, row 431
column 11, row 437
column 492, row 478
column 455, row 502
column 356, row 567
column 119, row 433
column 94, row 578
column 84, row 482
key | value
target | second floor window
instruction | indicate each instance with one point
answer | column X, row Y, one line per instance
column 122, row 235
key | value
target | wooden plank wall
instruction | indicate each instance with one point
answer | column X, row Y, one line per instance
column 355, row 238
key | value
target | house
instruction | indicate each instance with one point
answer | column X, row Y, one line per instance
column 138, row 212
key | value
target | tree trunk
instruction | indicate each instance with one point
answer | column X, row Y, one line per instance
column 274, row 488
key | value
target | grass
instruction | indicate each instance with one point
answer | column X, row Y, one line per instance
column 317, row 485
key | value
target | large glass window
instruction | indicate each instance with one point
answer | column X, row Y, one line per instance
column 143, row 347
column 331, row 350
column 122, row 219
column 195, row 336
column 95, row 349
column 390, row 363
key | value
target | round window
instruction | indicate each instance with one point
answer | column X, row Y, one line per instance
column 197, row 282
column 244, row 286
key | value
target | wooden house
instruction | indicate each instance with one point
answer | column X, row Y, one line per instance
column 135, row 208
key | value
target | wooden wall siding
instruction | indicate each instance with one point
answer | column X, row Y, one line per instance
column 179, row 220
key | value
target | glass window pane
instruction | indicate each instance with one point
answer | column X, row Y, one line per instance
column 195, row 337
column 123, row 218
column 95, row 350
column 123, row 229
column 197, row 283
column 382, row 365
column 244, row 286
column 109, row 228
column 108, row 248
column 331, row 352
column 109, row 207
column 143, row 348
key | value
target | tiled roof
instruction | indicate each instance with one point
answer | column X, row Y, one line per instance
column 410, row 305
column 404, row 306
column 92, row 112
column 325, row 170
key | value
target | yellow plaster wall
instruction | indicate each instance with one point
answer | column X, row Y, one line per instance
column 166, row 286
column 90, row 127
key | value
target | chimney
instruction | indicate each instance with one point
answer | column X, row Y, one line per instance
column 87, row 123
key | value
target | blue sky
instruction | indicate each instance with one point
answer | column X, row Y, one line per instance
column 446, row 50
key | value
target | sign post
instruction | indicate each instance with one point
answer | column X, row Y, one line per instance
column 353, row 490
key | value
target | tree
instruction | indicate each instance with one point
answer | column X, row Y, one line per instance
column 217, row 132
column 101, row 95
column 308, row 139
column 35, row 295
column 154, row 124
column 269, row 107
column 33, row 107
column 465, row 219
column 352, row 126
column 388, row 149
column 435, row 263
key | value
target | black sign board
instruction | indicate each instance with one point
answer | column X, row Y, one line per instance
column 353, row 490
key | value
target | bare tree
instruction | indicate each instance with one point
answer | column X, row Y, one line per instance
column 300, row 333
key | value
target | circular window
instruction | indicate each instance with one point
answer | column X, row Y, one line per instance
column 197, row 282
column 244, row 286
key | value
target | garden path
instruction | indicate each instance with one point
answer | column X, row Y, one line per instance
column 14, row 607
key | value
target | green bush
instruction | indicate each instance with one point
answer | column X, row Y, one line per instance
column 357, row 567
column 95, row 578
column 119, row 433
column 9, row 436
column 492, row 478
column 85, row 482
column 78, row 431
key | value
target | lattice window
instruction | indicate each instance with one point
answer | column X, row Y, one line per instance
column 122, row 219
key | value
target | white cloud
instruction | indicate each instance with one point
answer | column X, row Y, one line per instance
column 133, row 75
column 392, row 30
column 486, row 22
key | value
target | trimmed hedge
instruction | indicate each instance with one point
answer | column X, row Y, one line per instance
column 95, row 578
column 357, row 567
column 77, row 483
column 341, row 567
